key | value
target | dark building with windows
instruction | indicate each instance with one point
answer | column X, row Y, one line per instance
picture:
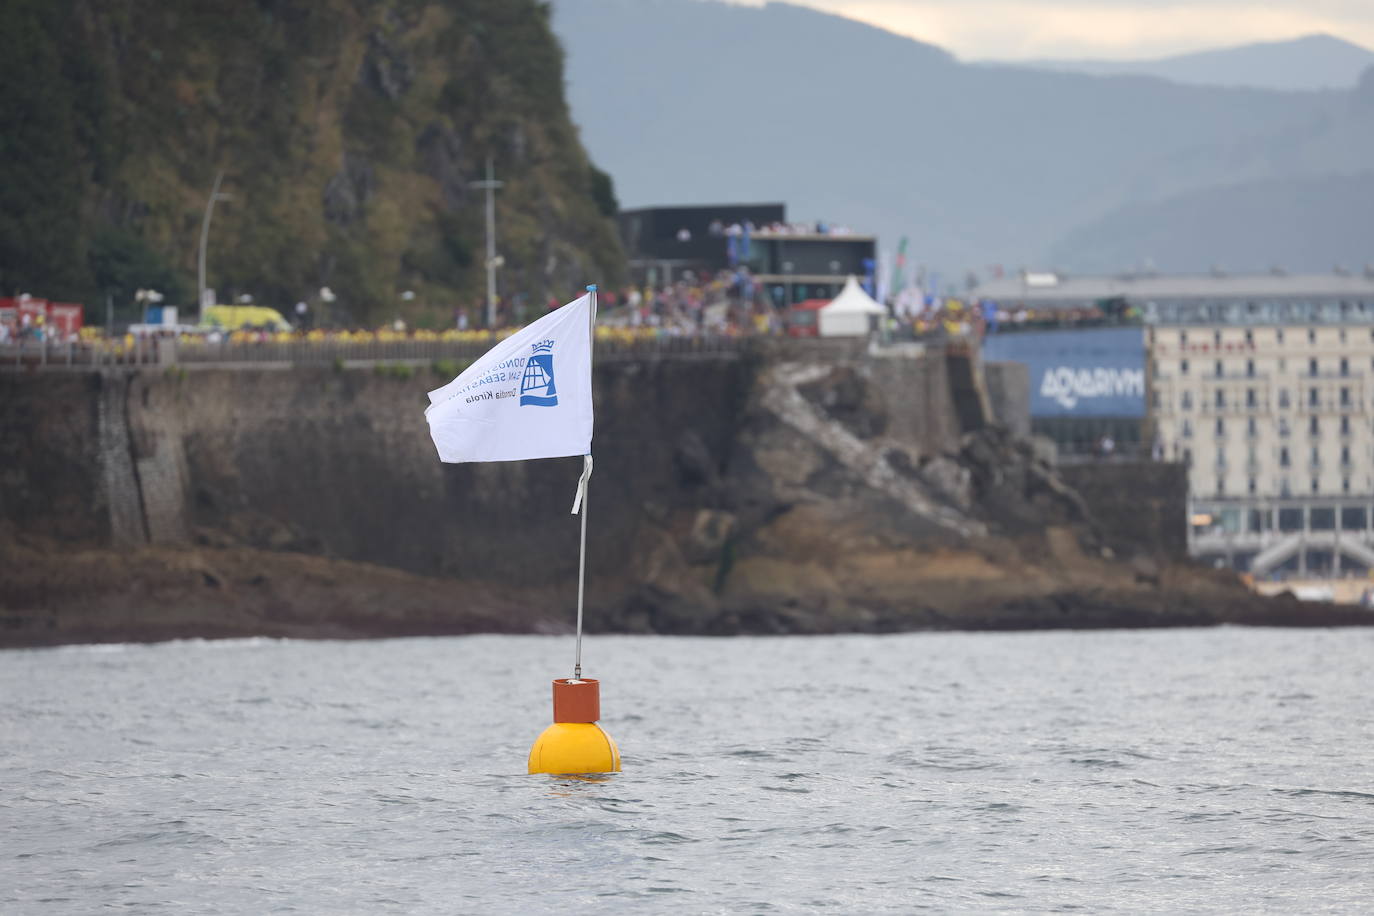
column 793, row 263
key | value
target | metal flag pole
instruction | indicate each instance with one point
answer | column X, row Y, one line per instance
column 582, row 495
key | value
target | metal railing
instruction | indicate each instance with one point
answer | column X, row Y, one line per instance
column 78, row 354
column 32, row 355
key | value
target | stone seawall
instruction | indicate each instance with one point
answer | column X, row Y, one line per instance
column 1140, row 507
column 340, row 463
column 756, row 491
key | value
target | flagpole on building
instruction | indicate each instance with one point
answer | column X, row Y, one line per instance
column 582, row 496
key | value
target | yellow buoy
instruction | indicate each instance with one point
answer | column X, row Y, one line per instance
column 574, row 743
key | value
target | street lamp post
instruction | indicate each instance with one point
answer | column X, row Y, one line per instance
column 490, row 184
column 204, row 237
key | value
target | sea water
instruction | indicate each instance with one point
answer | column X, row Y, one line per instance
column 1218, row 770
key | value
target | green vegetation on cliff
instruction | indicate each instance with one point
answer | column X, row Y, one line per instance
column 348, row 132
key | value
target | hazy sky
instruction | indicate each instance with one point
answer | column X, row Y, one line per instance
column 1107, row 29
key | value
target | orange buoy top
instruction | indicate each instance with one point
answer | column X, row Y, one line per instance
column 576, row 700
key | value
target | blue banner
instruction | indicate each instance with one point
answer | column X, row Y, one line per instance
column 1097, row 372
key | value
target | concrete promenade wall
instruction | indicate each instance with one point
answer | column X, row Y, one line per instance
column 339, row 462
column 1008, row 387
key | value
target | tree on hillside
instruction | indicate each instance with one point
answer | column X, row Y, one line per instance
column 40, row 182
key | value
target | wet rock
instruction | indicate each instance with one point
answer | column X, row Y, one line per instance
column 847, row 398
column 696, row 467
column 946, row 476
column 711, row 528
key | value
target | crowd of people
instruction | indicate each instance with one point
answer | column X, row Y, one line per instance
column 729, row 302
column 27, row 327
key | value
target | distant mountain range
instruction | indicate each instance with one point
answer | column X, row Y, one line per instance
column 1309, row 62
column 694, row 102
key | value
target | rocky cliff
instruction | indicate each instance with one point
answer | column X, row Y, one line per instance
column 784, row 491
column 348, row 132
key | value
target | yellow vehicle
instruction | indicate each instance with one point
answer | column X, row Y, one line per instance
column 236, row 317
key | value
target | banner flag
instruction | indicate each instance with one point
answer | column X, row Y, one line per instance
column 530, row 396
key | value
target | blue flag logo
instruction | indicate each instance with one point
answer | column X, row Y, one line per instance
column 536, row 385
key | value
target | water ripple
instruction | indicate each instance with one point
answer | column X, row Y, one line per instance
column 1198, row 771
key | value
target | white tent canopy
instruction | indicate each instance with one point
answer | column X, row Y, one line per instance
column 853, row 313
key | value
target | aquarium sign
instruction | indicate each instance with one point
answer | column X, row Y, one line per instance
column 1098, row 372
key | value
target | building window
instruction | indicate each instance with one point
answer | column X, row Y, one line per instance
column 1283, row 398
column 1250, row 399
column 1183, row 340
column 1278, row 334
column 1249, row 366
column 1313, row 397
column 1345, row 454
column 1183, row 367
column 1221, row 397
column 1353, row 518
column 1311, row 367
column 1283, row 457
column 1345, row 426
column 1345, row 364
column 1157, row 399
column 1187, row 402
column 1249, row 336
column 1321, row 518
column 1315, row 487
column 1221, row 485
column 1251, row 486
column 1221, row 428
column 1283, row 427
column 1345, row 397
column 1251, row 427
column 1345, row 484
column 1311, row 336
column 1220, row 369
column 1187, row 428
column 1221, row 457
column 1314, row 426
column 1285, row 490
column 1216, row 338
column 1188, row 457
column 1315, row 457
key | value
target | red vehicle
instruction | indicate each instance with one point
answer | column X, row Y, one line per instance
column 803, row 319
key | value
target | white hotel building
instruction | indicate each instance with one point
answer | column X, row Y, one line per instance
column 1264, row 385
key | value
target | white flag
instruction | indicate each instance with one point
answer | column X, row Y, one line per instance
column 530, row 396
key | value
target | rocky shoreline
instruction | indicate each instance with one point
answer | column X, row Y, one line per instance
column 157, row 594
